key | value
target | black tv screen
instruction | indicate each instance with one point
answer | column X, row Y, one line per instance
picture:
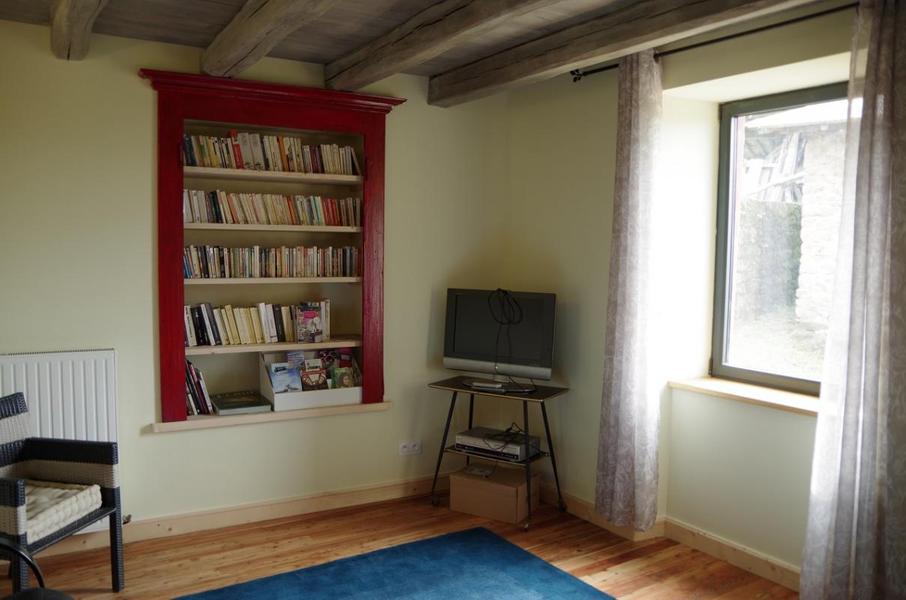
column 481, row 335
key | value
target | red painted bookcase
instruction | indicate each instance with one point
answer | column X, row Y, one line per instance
column 186, row 99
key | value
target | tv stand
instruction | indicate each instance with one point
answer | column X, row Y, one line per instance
column 538, row 395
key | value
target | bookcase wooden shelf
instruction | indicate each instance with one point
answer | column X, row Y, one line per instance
column 203, row 105
column 208, row 421
column 271, row 280
column 335, row 342
column 272, row 176
column 272, row 228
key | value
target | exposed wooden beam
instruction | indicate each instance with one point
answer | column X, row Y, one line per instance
column 255, row 30
column 429, row 33
column 641, row 25
column 70, row 26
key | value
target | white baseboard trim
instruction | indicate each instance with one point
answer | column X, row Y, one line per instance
column 736, row 554
column 586, row 511
column 146, row 529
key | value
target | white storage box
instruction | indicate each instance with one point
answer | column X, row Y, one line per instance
column 299, row 400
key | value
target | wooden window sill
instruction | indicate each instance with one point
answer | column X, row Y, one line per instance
column 802, row 404
column 211, row 421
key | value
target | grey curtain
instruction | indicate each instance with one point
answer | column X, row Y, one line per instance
column 626, row 490
column 856, row 539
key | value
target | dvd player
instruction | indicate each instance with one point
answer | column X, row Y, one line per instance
column 496, row 443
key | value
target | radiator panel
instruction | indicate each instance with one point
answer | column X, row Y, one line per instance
column 70, row 395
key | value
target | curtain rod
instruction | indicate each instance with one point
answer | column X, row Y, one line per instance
column 579, row 74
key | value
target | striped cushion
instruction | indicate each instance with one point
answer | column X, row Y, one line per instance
column 51, row 506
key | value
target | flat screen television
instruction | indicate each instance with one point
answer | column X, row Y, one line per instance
column 500, row 332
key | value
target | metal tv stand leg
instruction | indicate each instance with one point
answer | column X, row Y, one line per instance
column 440, row 454
column 471, row 412
column 528, row 466
column 550, row 448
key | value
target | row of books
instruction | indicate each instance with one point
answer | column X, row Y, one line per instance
column 261, row 152
column 315, row 370
column 207, row 325
column 217, row 262
column 200, row 206
column 198, row 401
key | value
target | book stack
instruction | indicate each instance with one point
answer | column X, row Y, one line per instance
column 262, row 152
column 217, row 262
column 240, row 403
column 206, row 325
column 200, row 206
column 198, row 401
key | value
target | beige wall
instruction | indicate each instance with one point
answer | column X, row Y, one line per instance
column 77, row 255
column 561, row 161
column 561, row 156
column 741, row 472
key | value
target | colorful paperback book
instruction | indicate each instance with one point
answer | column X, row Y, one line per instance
column 315, row 380
column 342, row 377
column 341, row 367
column 309, row 323
column 296, row 358
column 284, row 378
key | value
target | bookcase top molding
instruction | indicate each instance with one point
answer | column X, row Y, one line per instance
column 274, row 92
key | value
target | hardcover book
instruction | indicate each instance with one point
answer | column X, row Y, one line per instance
column 240, row 403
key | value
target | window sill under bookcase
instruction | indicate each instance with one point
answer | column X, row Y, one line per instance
column 211, row 421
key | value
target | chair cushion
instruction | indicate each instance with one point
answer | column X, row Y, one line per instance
column 51, row 506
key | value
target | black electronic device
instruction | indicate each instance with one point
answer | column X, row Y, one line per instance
column 500, row 332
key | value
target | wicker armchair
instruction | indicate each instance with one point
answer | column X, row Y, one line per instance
column 50, row 489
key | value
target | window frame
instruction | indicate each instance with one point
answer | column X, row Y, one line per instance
column 724, row 250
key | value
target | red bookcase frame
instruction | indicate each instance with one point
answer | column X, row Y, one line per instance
column 182, row 97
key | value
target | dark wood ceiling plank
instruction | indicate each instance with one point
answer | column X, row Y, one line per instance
column 70, row 26
column 427, row 34
column 639, row 26
column 255, row 30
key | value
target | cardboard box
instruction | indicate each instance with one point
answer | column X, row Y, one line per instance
column 500, row 496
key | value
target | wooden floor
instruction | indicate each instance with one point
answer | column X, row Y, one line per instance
column 168, row 567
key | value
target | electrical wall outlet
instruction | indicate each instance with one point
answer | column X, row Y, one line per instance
column 410, row 448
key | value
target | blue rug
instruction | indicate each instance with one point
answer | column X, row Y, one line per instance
column 469, row 564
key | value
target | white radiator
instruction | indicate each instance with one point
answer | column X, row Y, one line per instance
column 70, row 395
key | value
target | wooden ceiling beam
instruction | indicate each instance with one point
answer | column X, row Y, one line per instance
column 255, row 30
column 70, row 26
column 429, row 33
column 638, row 26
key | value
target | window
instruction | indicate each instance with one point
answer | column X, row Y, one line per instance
column 780, row 188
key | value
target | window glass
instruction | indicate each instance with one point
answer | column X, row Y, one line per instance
column 785, row 186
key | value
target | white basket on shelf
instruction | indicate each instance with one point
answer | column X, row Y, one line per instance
column 300, row 400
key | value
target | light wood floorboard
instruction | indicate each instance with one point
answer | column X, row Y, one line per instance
column 163, row 568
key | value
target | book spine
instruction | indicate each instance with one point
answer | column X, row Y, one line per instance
column 210, row 324
column 191, row 339
column 277, row 318
column 238, row 163
column 201, row 331
column 255, row 316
